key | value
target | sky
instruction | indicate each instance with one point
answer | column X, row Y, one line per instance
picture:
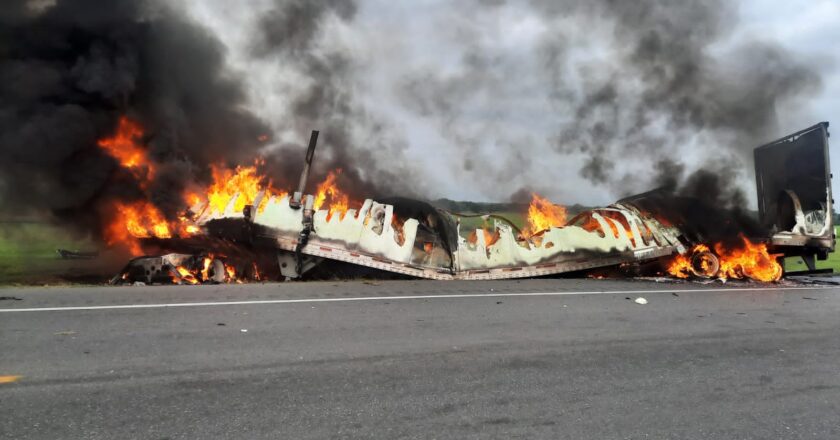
column 481, row 102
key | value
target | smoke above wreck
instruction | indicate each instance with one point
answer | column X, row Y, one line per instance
column 483, row 98
column 631, row 89
column 295, row 36
column 671, row 75
column 475, row 98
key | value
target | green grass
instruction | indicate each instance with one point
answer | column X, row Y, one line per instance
column 28, row 249
column 794, row 264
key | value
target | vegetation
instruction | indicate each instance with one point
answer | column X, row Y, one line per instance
column 29, row 248
column 794, row 264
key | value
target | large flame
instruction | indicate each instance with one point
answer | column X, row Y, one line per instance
column 231, row 187
column 680, row 265
column 745, row 260
column 142, row 219
column 750, row 260
column 243, row 183
column 138, row 219
column 135, row 220
column 543, row 215
column 339, row 201
column 125, row 146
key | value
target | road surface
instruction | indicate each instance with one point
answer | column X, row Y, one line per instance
column 548, row 358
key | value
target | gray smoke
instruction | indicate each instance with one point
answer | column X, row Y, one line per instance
column 353, row 138
column 666, row 49
column 633, row 93
column 70, row 69
column 630, row 83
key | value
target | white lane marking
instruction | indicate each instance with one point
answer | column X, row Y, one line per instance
column 392, row 298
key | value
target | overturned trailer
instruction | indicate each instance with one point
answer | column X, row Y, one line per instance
column 429, row 244
column 413, row 238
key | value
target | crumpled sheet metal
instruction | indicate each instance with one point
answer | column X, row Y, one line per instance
column 368, row 237
column 508, row 252
column 368, row 230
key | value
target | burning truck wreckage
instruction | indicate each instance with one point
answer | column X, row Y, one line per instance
column 242, row 228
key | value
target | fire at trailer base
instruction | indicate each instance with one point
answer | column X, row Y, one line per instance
column 413, row 238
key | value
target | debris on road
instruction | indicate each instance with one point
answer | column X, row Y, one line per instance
column 641, row 301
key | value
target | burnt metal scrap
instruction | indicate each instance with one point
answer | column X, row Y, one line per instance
column 413, row 238
column 67, row 254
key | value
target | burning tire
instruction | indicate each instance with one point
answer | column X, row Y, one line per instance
column 705, row 264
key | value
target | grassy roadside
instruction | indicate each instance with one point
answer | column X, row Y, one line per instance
column 28, row 249
column 833, row 262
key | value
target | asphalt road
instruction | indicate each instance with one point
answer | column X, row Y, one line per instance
column 417, row 359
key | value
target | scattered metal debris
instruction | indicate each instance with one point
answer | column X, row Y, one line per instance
column 818, row 280
column 76, row 255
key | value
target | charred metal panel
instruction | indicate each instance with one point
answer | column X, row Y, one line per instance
column 793, row 182
column 413, row 238
column 597, row 238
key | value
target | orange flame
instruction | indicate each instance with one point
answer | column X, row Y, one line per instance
column 139, row 219
column 397, row 225
column 142, row 219
column 199, row 272
column 339, row 201
column 185, row 275
column 243, row 183
column 542, row 215
column 188, row 230
column 136, row 220
column 746, row 260
column 124, row 146
column 491, row 237
column 752, row 260
column 205, row 267
column 680, row 265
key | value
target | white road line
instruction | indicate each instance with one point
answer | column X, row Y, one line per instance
column 394, row 298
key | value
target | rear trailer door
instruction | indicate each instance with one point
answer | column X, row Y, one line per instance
column 793, row 180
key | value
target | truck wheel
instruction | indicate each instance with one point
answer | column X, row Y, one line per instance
column 705, row 264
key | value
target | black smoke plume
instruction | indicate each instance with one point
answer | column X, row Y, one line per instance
column 71, row 68
column 355, row 139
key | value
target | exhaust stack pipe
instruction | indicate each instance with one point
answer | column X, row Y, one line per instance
column 304, row 175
